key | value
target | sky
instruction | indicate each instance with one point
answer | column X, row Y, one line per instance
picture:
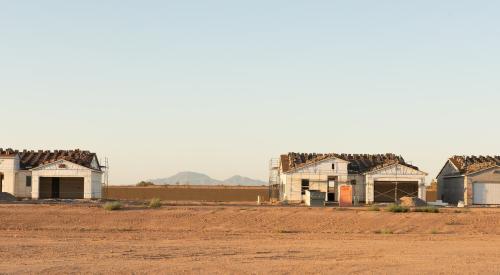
column 221, row 87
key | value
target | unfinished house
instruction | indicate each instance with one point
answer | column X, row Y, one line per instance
column 50, row 174
column 374, row 178
column 471, row 179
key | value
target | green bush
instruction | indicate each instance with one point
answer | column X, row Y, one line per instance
column 113, row 205
column 427, row 209
column 155, row 203
column 374, row 208
column 144, row 184
column 397, row 208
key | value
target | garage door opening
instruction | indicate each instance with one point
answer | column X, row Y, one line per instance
column 61, row 188
column 392, row 191
column 486, row 193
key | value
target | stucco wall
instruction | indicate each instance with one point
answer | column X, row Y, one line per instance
column 21, row 190
column 486, row 176
column 317, row 174
column 8, row 167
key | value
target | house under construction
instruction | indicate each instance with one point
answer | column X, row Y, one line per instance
column 373, row 178
column 59, row 174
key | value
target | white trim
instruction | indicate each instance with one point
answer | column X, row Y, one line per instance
column 59, row 161
column 294, row 169
column 392, row 165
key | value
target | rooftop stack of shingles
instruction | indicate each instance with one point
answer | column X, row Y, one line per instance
column 358, row 163
column 471, row 164
column 31, row 159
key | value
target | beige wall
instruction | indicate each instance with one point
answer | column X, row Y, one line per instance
column 486, row 176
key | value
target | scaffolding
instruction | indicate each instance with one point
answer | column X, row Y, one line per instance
column 274, row 179
column 105, row 183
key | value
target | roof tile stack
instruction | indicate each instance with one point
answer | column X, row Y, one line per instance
column 31, row 159
column 471, row 164
column 358, row 163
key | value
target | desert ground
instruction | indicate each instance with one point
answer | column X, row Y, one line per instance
column 188, row 193
column 245, row 239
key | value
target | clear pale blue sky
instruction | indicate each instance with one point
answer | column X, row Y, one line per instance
column 220, row 87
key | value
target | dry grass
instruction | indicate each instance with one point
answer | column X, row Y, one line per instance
column 155, row 203
column 427, row 209
column 397, row 208
column 111, row 206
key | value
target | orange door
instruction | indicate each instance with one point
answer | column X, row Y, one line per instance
column 345, row 195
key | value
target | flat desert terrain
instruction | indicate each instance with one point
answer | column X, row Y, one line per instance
column 202, row 193
column 245, row 239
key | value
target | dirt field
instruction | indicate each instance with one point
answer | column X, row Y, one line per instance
column 245, row 239
column 189, row 193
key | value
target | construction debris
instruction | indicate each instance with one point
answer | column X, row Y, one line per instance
column 412, row 202
column 6, row 197
column 438, row 203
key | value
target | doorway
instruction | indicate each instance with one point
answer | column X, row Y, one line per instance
column 55, row 188
column 1, row 182
column 331, row 188
column 61, row 188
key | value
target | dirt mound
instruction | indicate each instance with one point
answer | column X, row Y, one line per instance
column 6, row 197
column 412, row 202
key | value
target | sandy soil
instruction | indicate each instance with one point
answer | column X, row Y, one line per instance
column 245, row 239
column 188, row 192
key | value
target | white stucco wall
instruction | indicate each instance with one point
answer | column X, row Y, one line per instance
column 317, row 174
column 21, row 190
column 92, row 179
column 8, row 167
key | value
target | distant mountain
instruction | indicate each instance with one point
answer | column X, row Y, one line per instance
column 194, row 178
column 186, row 178
column 239, row 180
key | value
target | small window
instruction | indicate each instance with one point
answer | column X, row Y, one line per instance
column 333, row 166
column 304, row 185
column 28, row 181
column 353, row 182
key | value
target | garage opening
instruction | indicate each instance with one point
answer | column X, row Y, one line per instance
column 392, row 191
column 486, row 193
column 61, row 188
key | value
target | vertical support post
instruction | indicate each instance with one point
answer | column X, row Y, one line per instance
column 35, row 186
column 369, row 193
column 468, row 192
column 422, row 190
column 87, row 187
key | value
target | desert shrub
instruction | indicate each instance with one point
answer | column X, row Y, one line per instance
column 144, row 184
column 155, row 203
column 427, row 209
column 397, row 208
column 286, row 231
column 452, row 222
column 113, row 205
column 383, row 231
column 374, row 208
column 434, row 231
